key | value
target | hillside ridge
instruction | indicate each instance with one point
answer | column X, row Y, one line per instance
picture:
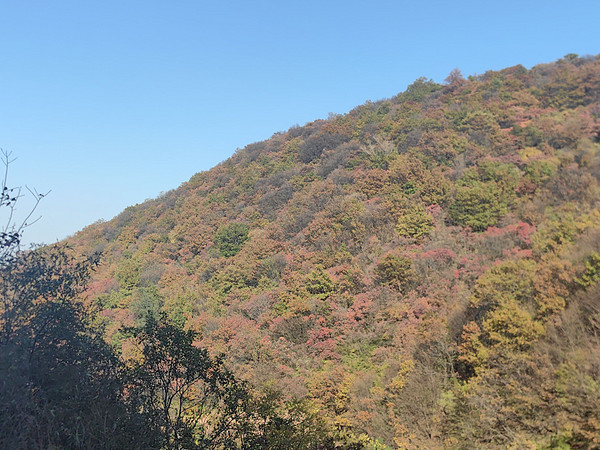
column 422, row 269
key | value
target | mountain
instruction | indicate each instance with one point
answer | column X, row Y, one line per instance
column 422, row 270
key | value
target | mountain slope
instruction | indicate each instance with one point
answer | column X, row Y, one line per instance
column 423, row 268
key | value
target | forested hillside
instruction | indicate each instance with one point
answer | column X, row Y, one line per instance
column 421, row 272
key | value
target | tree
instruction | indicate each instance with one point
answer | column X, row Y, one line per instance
column 591, row 275
column 394, row 271
column 60, row 383
column 454, row 80
column 11, row 231
column 477, row 205
column 230, row 238
column 415, row 223
column 192, row 400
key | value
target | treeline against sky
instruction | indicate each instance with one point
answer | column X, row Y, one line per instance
column 421, row 272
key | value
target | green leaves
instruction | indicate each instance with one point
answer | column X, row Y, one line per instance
column 591, row 274
column 319, row 283
column 415, row 223
column 230, row 238
column 483, row 195
column 394, row 271
column 477, row 205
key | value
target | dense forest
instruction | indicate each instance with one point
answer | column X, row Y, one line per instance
column 421, row 272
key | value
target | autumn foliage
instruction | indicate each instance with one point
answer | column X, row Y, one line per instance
column 420, row 272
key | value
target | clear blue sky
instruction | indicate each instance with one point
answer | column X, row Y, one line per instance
column 108, row 103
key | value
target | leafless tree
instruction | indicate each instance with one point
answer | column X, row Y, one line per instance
column 12, row 228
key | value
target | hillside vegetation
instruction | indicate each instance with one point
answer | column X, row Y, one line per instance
column 420, row 272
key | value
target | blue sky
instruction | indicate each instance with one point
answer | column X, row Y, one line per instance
column 108, row 103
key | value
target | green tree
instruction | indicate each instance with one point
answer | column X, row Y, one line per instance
column 230, row 238
column 477, row 205
column 591, row 274
column 319, row 283
column 394, row 271
column 415, row 223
